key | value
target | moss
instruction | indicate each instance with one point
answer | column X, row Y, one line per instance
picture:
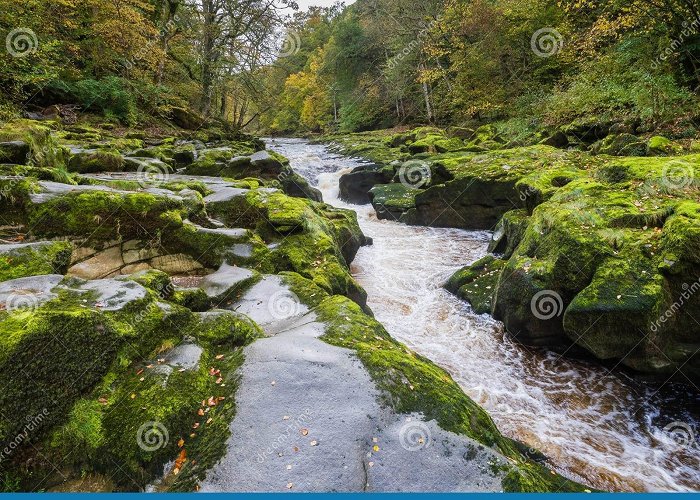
column 411, row 382
column 477, row 283
column 395, row 198
column 661, row 146
column 102, row 215
column 44, row 151
column 33, row 260
column 103, row 160
column 226, row 329
column 194, row 299
column 156, row 281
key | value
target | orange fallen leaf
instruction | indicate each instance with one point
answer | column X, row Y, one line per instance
column 305, row 432
column 181, row 443
column 219, row 356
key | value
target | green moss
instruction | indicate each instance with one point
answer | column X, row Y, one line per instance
column 194, row 299
column 44, row 149
column 661, row 146
column 103, row 160
column 100, row 215
column 48, row 258
column 477, row 283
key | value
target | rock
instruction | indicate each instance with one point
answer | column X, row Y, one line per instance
column 620, row 145
column 107, row 263
column 28, row 293
column 558, row 140
column 175, row 264
column 16, row 152
column 392, row 201
column 661, row 146
column 186, row 118
column 356, row 185
column 90, row 161
column 227, row 282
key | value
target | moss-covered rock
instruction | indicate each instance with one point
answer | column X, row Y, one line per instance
column 661, row 146
column 92, row 161
column 31, row 259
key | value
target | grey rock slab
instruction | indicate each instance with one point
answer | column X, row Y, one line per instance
column 108, row 294
column 224, row 279
column 271, row 305
column 185, row 356
column 415, row 455
column 318, row 387
column 28, row 292
column 225, row 194
column 222, row 231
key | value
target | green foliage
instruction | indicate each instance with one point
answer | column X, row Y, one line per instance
column 109, row 96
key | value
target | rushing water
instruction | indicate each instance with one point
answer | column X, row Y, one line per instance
column 597, row 427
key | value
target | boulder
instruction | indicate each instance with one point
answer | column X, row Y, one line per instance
column 186, row 118
column 16, row 152
column 356, row 185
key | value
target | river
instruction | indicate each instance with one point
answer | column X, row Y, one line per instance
column 599, row 427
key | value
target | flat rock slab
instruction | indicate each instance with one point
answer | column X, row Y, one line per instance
column 51, row 190
column 108, row 294
column 223, row 280
column 271, row 305
column 304, row 414
column 28, row 292
column 414, row 455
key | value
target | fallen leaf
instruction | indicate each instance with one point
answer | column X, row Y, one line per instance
column 375, row 448
column 371, row 464
column 290, row 485
column 219, row 380
column 289, row 467
column 273, row 382
column 296, row 449
column 102, row 401
column 200, row 412
column 314, row 443
column 139, row 372
column 305, row 432
column 219, row 356
column 181, row 443
column 375, row 440
column 195, row 425
column 133, row 396
column 286, row 417
column 210, row 420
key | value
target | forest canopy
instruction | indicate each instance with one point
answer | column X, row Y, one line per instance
column 373, row 64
